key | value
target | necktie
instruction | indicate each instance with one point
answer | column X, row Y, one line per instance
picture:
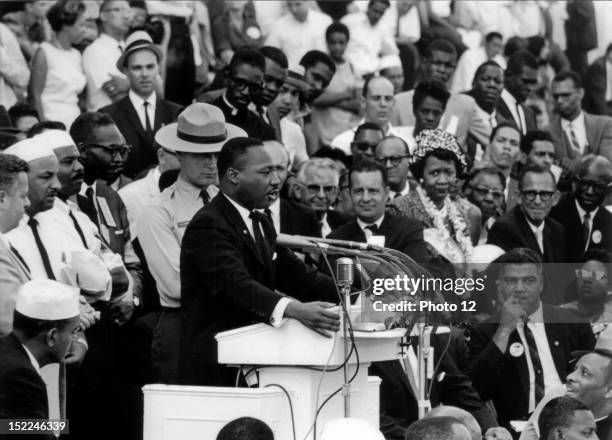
column 535, row 360
column 88, row 206
column 205, row 197
column 520, row 120
column 373, row 228
column 540, row 240
column 78, row 229
column 33, row 223
column 148, row 128
column 20, row 259
column 586, row 228
column 261, row 242
column 574, row 139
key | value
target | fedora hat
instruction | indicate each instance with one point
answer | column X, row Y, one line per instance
column 200, row 128
column 139, row 40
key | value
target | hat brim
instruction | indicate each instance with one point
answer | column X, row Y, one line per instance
column 302, row 85
column 168, row 139
column 121, row 62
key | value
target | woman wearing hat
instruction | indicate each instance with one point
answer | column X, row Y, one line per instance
column 453, row 223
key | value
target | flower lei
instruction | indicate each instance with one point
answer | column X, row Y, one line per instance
column 451, row 211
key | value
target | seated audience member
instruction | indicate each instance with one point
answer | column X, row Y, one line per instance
column 526, row 349
column 245, row 428
column 428, row 104
column 367, row 136
column 391, row 68
column 355, row 429
column 587, row 222
column 23, row 116
column 394, row 155
column 566, row 417
column 529, row 224
column 575, row 132
column 461, row 116
column 337, row 109
column 438, row 428
column 41, row 126
column 142, row 112
column 377, row 102
column 369, row 192
column 317, row 188
column 591, row 289
column 344, row 204
column 275, row 75
column 469, row 421
column 485, row 187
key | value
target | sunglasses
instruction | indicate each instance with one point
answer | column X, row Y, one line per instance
column 395, row 160
column 242, row 84
column 364, row 147
column 590, row 274
column 329, row 191
column 122, row 150
column 597, row 186
column 545, row 196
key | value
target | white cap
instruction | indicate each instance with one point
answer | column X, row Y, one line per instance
column 93, row 276
column 389, row 61
column 47, row 300
column 355, row 429
column 30, row 149
column 55, row 139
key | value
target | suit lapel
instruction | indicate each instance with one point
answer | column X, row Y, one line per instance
column 520, row 362
column 356, row 232
column 526, row 231
column 554, row 335
column 161, row 114
column 132, row 116
column 591, row 132
column 18, row 261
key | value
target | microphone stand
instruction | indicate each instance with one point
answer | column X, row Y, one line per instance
column 346, row 387
column 425, row 357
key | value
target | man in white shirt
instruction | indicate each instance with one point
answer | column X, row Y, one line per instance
column 369, row 39
column 393, row 153
column 14, row 72
column 299, row 31
column 105, row 83
column 472, row 58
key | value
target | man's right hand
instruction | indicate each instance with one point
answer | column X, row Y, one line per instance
column 511, row 313
column 315, row 315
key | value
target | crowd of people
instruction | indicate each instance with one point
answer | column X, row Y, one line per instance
column 152, row 151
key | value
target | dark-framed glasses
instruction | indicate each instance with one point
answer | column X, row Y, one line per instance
column 328, row 190
column 596, row 275
column 395, row 160
column 599, row 187
column 363, row 147
column 545, row 196
column 242, row 84
column 122, row 149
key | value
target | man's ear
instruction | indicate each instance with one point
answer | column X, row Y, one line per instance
column 233, row 175
column 50, row 337
column 4, row 196
column 555, row 198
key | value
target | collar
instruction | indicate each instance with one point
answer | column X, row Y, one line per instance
column 363, row 225
column 233, row 109
column 403, row 192
column 138, row 101
column 111, row 40
column 192, row 191
column 535, row 228
column 538, row 315
column 84, row 187
column 275, row 208
column 507, row 96
column 581, row 211
column 578, row 120
column 33, row 360
column 244, row 213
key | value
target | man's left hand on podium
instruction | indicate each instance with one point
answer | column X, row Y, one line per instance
column 315, row 315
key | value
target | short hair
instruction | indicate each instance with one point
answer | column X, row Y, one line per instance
column 418, row 168
column 20, row 110
column 395, row 138
column 368, row 126
column 485, row 169
column 249, row 56
column 598, row 254
column 387, row 3
column 275, row 54
column 518, row 255
column 466, row 419
column 314, row 57
column 366, row 84
column 534, row 136
column 514, row 44
column 142, row 4
column 41, row 126
column 337, row 28
column 571, row 75
column 83, row 127
column 10, row 166
column 558, row 412
column 440, row 45
column 491, row 35
column 368, row 166
column 434, row 428
column 65, row 13
column 246, row 428
column 536, row 169
column 232, row 151
column 317, row 163
column 585, row 162
column 430, row 88
column 483, row 66
column 520, row 59
column 31, row 327
column 335, row 154
column 505, row 125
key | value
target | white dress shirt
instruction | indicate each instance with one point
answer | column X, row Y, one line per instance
column 294, row 141
column 577, row 125
column 515, row 109
column 276, row 320
column 592, row 214
column 14, row 71
column 364, row 226
column 99, row 63
column 138, row 103
column 467, row 65
column 275, row 211
column 538, row 231
column 403, row 192
column 139, row 194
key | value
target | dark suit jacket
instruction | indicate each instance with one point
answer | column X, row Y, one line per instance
column 595, row 84
column 505, row 113
column 566, row 212
column 511, row 230
column 504, row 378
column 336, row 219
column 598, row 132
column 580, row 26
column 255, row 126
column 226, row 283
column 298, row 219
column 401, row 233
column 398, row 404
column 23, row 394
column 143, row 153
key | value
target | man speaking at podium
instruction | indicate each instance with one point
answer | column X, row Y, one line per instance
column 231, row 267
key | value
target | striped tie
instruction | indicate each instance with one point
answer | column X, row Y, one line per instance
column 574, row 139
column 535, row 360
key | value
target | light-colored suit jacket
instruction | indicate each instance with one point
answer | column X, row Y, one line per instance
column 12, row 275
column 599, row 137
column 460, row 118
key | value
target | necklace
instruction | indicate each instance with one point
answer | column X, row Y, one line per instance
column 449, row 211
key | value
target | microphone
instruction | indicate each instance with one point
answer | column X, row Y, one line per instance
column 307, row 244
column 344, row 272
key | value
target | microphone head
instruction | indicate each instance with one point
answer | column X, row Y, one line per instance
column 344, row 272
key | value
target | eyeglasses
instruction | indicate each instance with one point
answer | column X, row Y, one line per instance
column 483, row 192
column 597, row 186
column 242, row 84
column 364, row 147
column 395, row 160
column 329, row 191
column 591, row 274
column 278, row 83
column 545, row 196
column 122, row 150
column 126, row 11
